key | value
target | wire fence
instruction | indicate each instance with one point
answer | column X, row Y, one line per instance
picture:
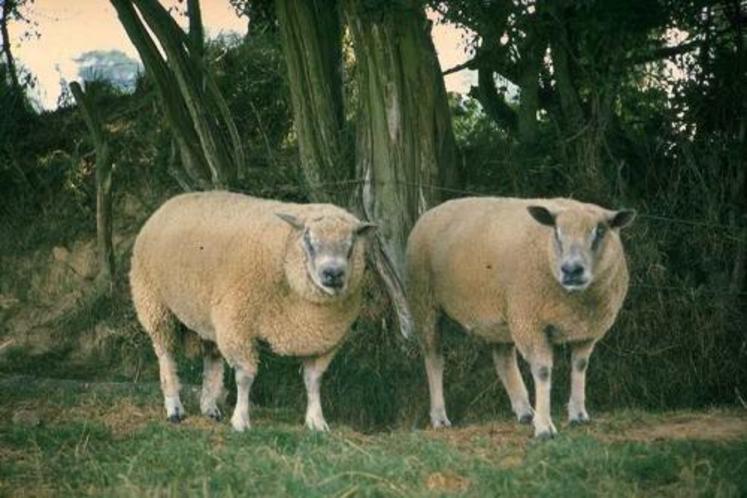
column 355, row 182
column 474, row 193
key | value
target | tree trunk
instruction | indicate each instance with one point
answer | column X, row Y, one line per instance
column 176, row 112
column 203, row 126
column 200, row 99
column 583, row 135
column 312, row 45
column 196, row 30
column 8, row 7
column 528, row 81
column 405, row 144
column 103, row 187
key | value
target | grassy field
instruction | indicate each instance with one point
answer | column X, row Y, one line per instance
column 66, row 438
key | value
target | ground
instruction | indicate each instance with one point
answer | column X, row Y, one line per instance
column 67, row 438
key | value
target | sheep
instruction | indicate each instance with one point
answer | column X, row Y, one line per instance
column 518, row 273
column 236, row 270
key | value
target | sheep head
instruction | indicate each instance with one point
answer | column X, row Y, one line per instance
column 581, row 245
column 330, row 250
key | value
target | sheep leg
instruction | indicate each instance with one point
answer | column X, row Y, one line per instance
column 313, row 370
column 580, row 353
column 212, row 381
column 434, row 368
column 169, row 384
column 425, row 318
column 504, row 357
column 540, row 359
column 244, row 379
column 159, row 323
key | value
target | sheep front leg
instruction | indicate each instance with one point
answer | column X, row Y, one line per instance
column 540, row 357
column 244, row 379
column 504, row 357
column 313, row 370
column 580, row 353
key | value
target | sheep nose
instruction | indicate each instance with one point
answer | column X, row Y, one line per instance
column 333, row 277
column 572, row 271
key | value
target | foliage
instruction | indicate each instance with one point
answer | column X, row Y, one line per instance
column 251, row 75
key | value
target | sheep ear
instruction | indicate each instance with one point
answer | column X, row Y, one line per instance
column 622, row 218
column 542, row 215
column 365, row 228
column 291, row 220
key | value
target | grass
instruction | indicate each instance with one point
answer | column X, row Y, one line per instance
column 111, row 439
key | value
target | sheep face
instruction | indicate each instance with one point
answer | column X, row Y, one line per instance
column 331, row 252
column 580, row 242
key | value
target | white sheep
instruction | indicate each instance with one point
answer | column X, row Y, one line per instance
column 518, row 273
column 236, row 269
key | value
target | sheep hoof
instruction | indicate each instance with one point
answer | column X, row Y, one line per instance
column 440, row 422
column 214, row 414
column 318, row 426
column 176, row 418
column 580, row 419
column 544, row 435
column 240, row 424
column 526, row 418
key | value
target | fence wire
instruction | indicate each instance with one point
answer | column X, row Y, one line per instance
column 352, row 183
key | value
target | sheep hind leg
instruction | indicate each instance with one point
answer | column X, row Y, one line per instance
column 160, row 324
column 434, row 369
column 313, row 370
column 580, row 353
column 212, row 381
column 504, row 357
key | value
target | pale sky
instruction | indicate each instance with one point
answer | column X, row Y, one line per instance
column 69, row 28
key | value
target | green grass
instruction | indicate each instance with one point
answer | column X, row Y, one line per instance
column 110, row 439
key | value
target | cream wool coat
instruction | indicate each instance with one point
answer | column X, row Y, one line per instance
column 224, row 265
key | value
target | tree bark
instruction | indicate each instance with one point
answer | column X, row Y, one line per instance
column 103, row 187
column 8, row 7
column 176, row 112
column 196, row 30
column 204, row 128
column 583, row 135
column 405, row 144
column 312, row 45
column 189, row 73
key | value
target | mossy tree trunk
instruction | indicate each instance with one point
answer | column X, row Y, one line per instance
column 205, row 132
column 312, row 44
column 104, row 168
column 405, row 146
column 7, row 8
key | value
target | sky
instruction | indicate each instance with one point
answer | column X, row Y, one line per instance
column 70, row 28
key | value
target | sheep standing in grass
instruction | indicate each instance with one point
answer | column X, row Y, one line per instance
column 236, row 270
column 523, row 274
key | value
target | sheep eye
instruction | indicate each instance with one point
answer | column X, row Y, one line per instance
column 599, row 233
column 307, row 243
column 351, row 243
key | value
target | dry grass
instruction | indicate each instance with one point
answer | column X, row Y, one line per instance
column 111, row 439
